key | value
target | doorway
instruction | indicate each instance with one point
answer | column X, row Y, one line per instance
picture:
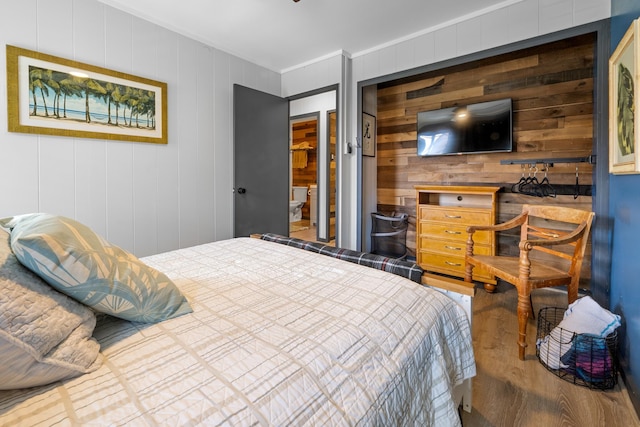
column 314, row 118
column 332, row 122
column 303, row 212
column 262, row 153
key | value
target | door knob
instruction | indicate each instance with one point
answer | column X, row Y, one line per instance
column 242, row 190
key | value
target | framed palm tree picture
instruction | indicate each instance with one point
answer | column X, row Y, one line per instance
column 56, row 96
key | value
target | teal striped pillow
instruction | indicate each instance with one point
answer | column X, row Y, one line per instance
column 73, row 259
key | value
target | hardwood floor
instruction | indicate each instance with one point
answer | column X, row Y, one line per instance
column 510, row 392
column 306, row 232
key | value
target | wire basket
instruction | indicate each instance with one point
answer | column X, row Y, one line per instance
column 389, row 234
column 587, row 360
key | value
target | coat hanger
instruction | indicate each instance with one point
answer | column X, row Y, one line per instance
column 515, row 188
column 545, row 186
column 532, row 186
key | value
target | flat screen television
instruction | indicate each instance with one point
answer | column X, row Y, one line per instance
column 485, row 127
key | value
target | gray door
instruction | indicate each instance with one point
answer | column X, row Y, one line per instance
column 261, row 162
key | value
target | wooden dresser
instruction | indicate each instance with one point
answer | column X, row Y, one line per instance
column 443, row 214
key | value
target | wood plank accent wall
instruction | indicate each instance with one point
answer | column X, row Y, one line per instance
column 552, row 88
column 306, row 131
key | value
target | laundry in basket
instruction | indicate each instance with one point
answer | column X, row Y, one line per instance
column 582, row 343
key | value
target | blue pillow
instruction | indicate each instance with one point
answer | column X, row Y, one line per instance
column 73, row 259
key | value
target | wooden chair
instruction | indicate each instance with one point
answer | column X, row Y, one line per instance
column 560, row 233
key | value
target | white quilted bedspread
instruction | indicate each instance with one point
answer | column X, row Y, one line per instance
column 279, row 336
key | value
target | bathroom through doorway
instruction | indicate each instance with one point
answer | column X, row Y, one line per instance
column 304, row 176
column 312, row 189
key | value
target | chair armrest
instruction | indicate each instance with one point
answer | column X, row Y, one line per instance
column 526, row 245
column 512, row 223
column 507, row 225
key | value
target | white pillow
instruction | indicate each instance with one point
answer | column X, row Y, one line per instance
column 76, row 261
column 45, row 336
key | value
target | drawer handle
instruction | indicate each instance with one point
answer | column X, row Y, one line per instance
column 453, row 216
column 453, row 248
column 452, row 232
column 453, row 264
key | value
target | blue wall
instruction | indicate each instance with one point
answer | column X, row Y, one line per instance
column 624, row 206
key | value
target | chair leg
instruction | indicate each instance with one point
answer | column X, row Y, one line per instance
column 524, row 307
column 572, row 292
column 468, row 273
column 533, row 315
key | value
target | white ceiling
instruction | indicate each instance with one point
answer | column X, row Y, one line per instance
column 283, row 34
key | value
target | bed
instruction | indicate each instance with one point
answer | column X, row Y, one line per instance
column 277, row 335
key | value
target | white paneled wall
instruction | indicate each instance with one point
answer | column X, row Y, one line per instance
column 516, row 21
column 325, row 73
column 146, row 198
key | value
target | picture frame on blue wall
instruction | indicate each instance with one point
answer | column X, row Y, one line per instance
column 51, row 95
column 624, row 103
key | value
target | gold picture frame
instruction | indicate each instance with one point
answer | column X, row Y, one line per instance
column 368, row 135
column 50, row 95
column 624, row 103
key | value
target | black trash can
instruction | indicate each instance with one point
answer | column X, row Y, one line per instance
column 389, row 234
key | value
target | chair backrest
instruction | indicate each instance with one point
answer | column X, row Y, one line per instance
column 549, row 222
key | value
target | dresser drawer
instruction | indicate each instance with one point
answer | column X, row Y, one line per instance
column 456, row 232
column 442, row 262
column 448, row 264
column 452, row 247
column 464, row 216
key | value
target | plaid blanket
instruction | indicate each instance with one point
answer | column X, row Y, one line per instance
column 402, row 268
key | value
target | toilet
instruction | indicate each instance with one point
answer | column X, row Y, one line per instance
column 295, row 205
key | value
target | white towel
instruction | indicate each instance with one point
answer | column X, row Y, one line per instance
column 585, row 316
column 554, row 346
